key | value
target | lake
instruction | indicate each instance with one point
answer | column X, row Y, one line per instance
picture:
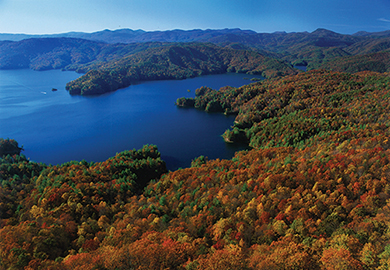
column 54, row 127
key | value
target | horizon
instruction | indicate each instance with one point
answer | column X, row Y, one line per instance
column 54, row 17
column 186, row 30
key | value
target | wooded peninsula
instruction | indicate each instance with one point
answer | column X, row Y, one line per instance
column 312, row 193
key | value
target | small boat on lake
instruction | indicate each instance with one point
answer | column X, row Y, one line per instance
column 54, row 89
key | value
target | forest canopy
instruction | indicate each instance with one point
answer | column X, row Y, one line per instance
column 313, row 193
column 139, row 56
column 292, row 110
column 177, row 61
column 9, row 147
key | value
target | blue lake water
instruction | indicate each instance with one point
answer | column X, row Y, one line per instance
column 55, row 127
column 303, row 68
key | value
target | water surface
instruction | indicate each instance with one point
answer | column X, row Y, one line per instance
column 55, row 127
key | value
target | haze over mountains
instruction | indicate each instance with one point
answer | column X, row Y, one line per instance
column 84, row 52
column 129, row 35
column 177, row 35
column 282, row 44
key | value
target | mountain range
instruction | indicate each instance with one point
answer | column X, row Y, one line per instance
column 84, row 52
column 177, row 35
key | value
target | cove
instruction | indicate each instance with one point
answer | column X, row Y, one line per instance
column 55, row 127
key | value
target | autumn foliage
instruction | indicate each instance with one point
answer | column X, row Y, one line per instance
column 313, row 193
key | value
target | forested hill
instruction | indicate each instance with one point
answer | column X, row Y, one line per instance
column 314, row 48
column 313, row 193
column 286, row 44
column 51, row 53
column 62, row 53
column 150, row 57
column 378, row 62
column 175, row 61
column 291, row 111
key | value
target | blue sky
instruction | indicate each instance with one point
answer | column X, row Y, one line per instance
column 59, row 16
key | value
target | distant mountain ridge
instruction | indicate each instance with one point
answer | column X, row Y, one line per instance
column 314, row 48
column 129, row 35
column 106, row 49
column 126, row 35
column 97, row 36
column 63, row 53
column 378, row 34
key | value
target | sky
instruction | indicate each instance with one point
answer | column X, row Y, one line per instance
column 262, row 16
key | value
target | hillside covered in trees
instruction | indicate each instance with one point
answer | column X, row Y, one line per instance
column 116, row 59
column 177, row 61
column 291, row 110
column 63, row 53
column 378, row 62
column 313, row 193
